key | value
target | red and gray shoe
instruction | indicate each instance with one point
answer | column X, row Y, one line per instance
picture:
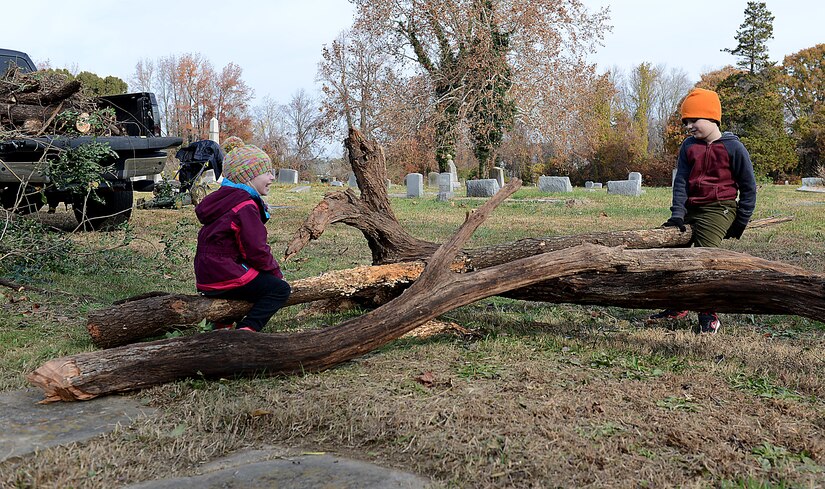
column 709, row 323
column 667, row 315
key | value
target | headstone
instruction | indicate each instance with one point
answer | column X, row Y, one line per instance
column 336, row 183
column 813, row 182
column 352, row 182
column 214, row 130
column 634, row 175
column 286, row 175
column 555, row 184
column 487, row 187
column 673, row 177
column 597, row 185
column 453, row 174
column 432, row 179
column 498, row 174
column 625, row 187
column 415, row 185
column 389, row 183
column 445, row 187
column 588, row 184
column 303, row 188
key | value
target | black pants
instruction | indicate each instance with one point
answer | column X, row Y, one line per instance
column 266, row 292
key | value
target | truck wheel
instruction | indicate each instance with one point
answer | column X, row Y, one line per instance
column 115, row 209
column 31, row 201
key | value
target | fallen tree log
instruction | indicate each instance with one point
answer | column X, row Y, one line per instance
column 146, row 317
column 437, row 290
column 18, row 113
column 88, row 375
column 50, row 97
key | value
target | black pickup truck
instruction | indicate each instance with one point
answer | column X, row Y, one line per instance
column 140, row 152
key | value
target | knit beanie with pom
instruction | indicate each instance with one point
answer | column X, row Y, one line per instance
column 702, row 104
column 244, row 163
column 231, row 143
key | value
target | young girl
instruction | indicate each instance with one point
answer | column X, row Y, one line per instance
column 233, row 259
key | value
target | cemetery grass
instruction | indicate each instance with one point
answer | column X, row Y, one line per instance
column 535, row 395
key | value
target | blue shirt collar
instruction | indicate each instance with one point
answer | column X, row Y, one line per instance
column 250, row 190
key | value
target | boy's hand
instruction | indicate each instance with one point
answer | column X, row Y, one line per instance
column 675, row 222
column 735, row 230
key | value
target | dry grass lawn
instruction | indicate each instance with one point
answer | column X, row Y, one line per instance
column 528, row 395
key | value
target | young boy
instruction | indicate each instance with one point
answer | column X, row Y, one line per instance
column 712, row 168
column 233, row 259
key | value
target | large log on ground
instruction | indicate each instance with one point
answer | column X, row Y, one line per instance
column 146, row 317
column 438, row 290
column 134, row 320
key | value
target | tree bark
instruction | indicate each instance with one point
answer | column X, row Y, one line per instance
column 49, row 98
column 146, row 317
column 19, row 113
column 437, row 290
column 134, row 320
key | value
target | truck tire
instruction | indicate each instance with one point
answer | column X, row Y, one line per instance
column 31, row 201
column 115, row 209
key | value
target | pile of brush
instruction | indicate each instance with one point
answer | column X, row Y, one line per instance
column 46, row 102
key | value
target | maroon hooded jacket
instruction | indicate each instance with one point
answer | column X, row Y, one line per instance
column 232, row 247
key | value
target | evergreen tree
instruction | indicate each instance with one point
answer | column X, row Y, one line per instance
column 753, row 36
column 752, row 108
column 93, row 84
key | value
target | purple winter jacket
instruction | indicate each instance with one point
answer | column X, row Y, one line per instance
column 232, row 247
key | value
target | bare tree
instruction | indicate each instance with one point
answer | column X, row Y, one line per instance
column 143, row 78
column 302, row 122
column 268, row 131
column 671, row 88
column 351, row 73
column 649, row 96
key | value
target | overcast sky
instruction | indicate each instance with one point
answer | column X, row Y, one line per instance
column 278, row 43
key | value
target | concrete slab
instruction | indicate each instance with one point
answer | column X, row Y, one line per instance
column 26, row 426
column 247, row 470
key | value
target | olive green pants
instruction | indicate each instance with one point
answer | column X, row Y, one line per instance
column 711, row 222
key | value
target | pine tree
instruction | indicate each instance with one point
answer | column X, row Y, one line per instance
column 753, row 36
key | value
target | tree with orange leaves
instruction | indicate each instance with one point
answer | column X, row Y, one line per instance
column 190, row 93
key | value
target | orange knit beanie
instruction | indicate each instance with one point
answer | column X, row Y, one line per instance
column 702, row 104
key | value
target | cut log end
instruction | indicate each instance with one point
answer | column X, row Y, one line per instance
column 55, row 379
